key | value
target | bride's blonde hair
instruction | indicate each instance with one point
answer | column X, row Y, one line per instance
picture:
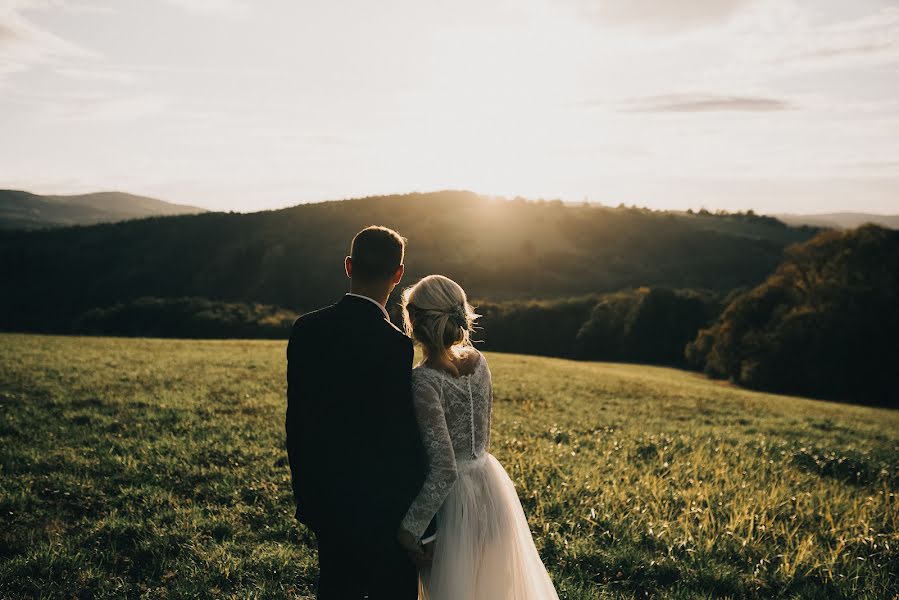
column 437, row 315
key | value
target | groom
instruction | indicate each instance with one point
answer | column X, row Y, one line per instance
column 355, row 451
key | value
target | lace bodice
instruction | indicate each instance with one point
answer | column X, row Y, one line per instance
column 454, row 418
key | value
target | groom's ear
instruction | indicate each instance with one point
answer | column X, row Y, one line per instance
column 399, row 274
column 348, row 266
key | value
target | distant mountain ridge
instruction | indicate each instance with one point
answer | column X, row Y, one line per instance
column 840, row 220
column 24, row 210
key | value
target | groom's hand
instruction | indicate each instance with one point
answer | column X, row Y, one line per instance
column 429, row 551
column 419, row 555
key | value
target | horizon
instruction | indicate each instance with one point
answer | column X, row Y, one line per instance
column 566, row 202
column 782, row 107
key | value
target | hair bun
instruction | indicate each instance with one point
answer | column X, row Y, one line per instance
column 459, row 317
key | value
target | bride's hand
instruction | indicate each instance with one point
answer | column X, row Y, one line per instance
column 419, row 555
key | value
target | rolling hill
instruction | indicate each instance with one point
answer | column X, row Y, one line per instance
column 292, row 258
column 841, row 220
column 23, row 210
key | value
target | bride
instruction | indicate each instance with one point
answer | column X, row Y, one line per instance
column 483, row 548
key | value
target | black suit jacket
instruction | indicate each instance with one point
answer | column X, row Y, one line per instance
column 356, row 458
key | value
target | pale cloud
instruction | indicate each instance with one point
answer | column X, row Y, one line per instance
column 23, row 45
column 674, row 14
column 686, row 103
column 219, row 8
column 7, row 33
column 100, row 108
column 832, row 51
column 869, row 40
column 96, row 73
column 71, row 6
column 26, row 48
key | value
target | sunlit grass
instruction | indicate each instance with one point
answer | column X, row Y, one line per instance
column 156, row 468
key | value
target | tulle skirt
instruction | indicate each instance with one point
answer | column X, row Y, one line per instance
column 484, row 549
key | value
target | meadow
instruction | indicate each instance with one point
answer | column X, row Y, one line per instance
column 143, row 468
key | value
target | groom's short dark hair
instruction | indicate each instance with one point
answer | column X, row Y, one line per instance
column 377, row 253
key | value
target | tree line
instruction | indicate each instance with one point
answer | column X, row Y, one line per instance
column 640, row 325
column 499, row 249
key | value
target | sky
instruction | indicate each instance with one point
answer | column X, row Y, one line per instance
column 774, row 105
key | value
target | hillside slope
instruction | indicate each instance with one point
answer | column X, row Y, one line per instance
column 294, row 257
column 163, row 473
column 23, row 210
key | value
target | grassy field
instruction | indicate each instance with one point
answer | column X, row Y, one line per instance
column 155, row 468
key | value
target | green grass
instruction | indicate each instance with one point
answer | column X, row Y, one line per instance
column 155, row 468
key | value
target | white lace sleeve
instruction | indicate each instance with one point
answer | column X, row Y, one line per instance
column 442, row 471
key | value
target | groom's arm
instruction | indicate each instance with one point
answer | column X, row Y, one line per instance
column 412, row 433
column 291, row 421
column 297, row 439
column 410, row 456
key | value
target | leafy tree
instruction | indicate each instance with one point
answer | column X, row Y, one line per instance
column 646, row 325
column 643, row 325
column 824, row 324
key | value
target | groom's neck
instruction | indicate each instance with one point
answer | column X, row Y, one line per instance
column 377, row 293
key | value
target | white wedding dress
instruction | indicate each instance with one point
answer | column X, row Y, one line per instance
column 484, row 549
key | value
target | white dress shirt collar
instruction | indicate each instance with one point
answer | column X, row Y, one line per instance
column 373, row 301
